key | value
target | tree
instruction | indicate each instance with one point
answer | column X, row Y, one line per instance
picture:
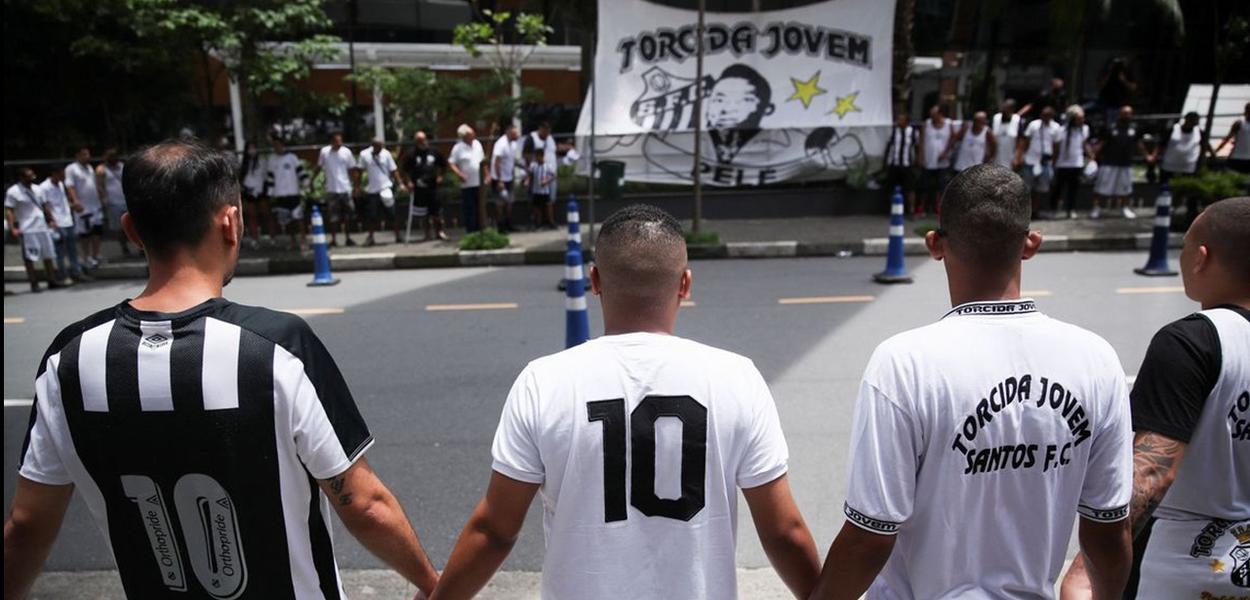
column 1072, row 21
column 245, row 38
column 509, row 43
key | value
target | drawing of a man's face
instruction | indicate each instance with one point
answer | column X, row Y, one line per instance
column 739, row 99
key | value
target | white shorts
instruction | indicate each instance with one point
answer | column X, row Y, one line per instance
column 38, row 246
column 115, row 212
column 1191, row 559
column 1114, row 182
column 1038, row 182
column 89, row 223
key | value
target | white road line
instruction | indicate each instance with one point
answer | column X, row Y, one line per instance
column 1036, row 293
column 1150, row 290
column 309, row 312
column 688, row 304
column 825, row 300
column 14, row 320
column 17, row 402
column 482, row 306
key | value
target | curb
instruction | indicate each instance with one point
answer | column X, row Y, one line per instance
column 383, row 261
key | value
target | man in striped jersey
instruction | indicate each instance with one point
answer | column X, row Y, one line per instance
column 201, row 433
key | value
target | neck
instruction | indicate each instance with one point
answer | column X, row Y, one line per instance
column 177, row 284
column 974, row 286
column 1234, row 298
column 634, row 320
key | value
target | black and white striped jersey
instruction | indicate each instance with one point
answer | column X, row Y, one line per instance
column 196, row 439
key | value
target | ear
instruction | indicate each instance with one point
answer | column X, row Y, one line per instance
column 935, row 244
column 596, row 286
column 1202, row 260
column 687, row 281
column 1032, row 243
column 771, row 108
column 132, row 234
column 230, row 222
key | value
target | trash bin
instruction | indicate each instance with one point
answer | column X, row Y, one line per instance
column 611, row 179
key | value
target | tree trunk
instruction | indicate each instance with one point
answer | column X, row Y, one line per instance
column 904, row 50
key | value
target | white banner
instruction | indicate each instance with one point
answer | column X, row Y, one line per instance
column 801, row 93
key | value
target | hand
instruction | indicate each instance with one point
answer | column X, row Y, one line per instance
column 420, row 596
column 1015, row 164
column 15, row 231
column 438, row 180
column 76, row 207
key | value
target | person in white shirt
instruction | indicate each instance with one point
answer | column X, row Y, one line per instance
column 937, row 142
column 52, row 192
column 503, row 171
column 639, row 442
column 84, row 198
column 977, row 143
column 252, row 172
column 542, row 144
column 381, row 170
column 1006, row 127
column 978, row 440
column 1191, row 413
column 1182, row 149
column 339, row 165
column 1239, row 137
column 108, row 176
column 465, row 161
column 285, row 182
column 1034, row 151
column 27, row 217
column 1072, row 149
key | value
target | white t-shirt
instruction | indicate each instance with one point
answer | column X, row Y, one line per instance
column 1041, row 140
column 640, row 442
column 254, row 178
column 379, row 169
column 935, row 140
column 1071, row 147
column 113, row 184
column 1183, row 149
column 468, row 158
column 951, row 451
column 336, row 164
column 547, row 146
column 54, row 196
column 1005, row 133
column 27, row 208
column 286, row 175
column 82, row 179
column 504, row 151
column 971, row 149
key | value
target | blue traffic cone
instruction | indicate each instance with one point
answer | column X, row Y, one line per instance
column 895, row 264
column 574, row 240
column 1157, row 264
column 321, row 254
column 577, row 319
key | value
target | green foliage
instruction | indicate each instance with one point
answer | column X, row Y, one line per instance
column 486, row 239
column 1209, row 186
column 507, row 43
column 702, row 238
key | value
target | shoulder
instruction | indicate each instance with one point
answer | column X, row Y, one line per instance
column 75, row 330
column 1195, row 330
column 283, row 329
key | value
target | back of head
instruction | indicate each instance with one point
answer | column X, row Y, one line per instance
column 1224, row 228
column 174, row 188
column 640, row 254
column 985, row 217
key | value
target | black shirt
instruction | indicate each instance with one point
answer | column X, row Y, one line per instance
column 423, row 166
column 1181, row 368
column 1118, row 145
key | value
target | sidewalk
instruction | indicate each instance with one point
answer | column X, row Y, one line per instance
column 739, row 238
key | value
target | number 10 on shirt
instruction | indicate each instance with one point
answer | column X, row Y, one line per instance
column 641, row 427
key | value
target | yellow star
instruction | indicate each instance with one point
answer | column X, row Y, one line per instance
column 845, row 105
column 804, row 91
column 1217, row 566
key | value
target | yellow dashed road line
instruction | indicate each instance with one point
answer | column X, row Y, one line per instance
column 311, row 312
column 825, row 300
column 482, row 306
column 1171, row 289
column 14, row 320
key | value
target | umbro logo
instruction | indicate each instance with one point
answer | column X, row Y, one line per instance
column 156, row 340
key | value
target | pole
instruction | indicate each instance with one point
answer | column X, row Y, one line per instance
column 698, row 122
column 379, row 119
column 1215, row 88
column 594, row 102
column 236, row 114
column 351, row 59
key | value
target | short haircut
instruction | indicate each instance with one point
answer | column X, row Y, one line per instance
column 985, row 216
column 640, row 253
column 1193, row 114
column 763, row 91
column 1226, row 234
column 174, row 188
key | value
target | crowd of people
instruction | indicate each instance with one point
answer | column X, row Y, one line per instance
column 1053, row 148
column 969, row 466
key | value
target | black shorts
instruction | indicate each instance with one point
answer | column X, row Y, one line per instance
column 904, row 177
column 286, row 202
column 249, row 197
column 425, row 202
column 376, row 210
column 538, row 200
column 934, row 180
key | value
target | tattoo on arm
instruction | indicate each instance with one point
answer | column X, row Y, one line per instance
column 1155, row 460
column 337, row 486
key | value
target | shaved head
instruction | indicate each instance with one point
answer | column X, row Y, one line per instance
column 985, row 216
column 1224, row 228
column 640, row 255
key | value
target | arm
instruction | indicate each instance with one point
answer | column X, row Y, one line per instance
column 375, row 518
column 919, row 154
column 487, row 537
column 1232, row 135
column 100, row 184
column 1102, row 567
column 10, row 217
column 31, row 528
column 991, row 146
column 1020, row 146
column 784, row 535
column 855, row 558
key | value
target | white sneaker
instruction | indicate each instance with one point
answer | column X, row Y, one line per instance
column 1096, row 213
column 1072, row 214
column 1128, row 213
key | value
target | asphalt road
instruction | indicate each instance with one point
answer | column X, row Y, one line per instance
column 430, row 373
